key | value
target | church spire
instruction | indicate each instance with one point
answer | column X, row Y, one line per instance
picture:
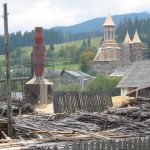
column 109, row 29
column 109, row 21
column 136, row 38
column 127, row 39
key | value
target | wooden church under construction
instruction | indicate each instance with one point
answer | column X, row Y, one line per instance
column 111, row 55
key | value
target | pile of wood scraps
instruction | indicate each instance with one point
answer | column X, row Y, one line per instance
column 51, row 127
column 132, row 119
column 3, row 126
column 17, row 107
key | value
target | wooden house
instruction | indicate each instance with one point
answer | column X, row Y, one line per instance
column 136, row 77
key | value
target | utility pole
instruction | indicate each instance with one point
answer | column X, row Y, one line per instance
column 8, row 80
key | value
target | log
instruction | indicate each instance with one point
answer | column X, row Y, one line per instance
column 5, row 136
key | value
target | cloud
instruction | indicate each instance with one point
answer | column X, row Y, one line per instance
column 26, row 14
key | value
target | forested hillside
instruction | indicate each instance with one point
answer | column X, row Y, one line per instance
column 85, row 30
column 142, row 26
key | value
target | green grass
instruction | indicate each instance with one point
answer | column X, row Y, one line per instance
column 95, row 42
column 2, row 62
column 2, row 58
column 27, row 49
column 60, row 64
column 67, row 67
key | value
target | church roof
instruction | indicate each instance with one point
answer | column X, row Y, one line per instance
column 98, row 53
column 127, row 38
column 109, row 21
column 136, row 38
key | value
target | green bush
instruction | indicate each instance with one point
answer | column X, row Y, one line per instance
column 105, row 83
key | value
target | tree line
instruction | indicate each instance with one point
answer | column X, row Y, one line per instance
column 20, row 39
column 51, row 36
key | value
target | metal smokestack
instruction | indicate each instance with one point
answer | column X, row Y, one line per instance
column 39, row 61
column 38, row 53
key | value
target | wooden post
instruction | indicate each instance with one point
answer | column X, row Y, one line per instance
column 8, row 80
column 32, row 71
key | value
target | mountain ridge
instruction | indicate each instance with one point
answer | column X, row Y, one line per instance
column 96, row 23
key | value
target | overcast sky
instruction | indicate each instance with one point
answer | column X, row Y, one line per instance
column 26, row 14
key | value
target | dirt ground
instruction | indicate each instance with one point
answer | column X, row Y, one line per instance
column 47, row 108
column 118, row 100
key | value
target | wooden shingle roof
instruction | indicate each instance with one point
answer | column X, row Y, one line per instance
column 109, row 21
column 127, row 39
column 137, row 75
column 136, row 38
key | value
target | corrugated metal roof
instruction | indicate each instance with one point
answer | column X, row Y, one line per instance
column 52, row 73
column 78, row 73
column 74, row 73
column 85, row 74
column 137, row 75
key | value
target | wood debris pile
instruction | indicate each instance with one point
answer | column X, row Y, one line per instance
column 3, row 126
column 17, row 107
column 46, row 126
column 130, row 119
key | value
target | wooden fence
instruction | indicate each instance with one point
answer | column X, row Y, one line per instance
column 127, row 144
column 88, row 101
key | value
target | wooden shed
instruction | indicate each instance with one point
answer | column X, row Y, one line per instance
column 32, row 90
column 140, row 92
